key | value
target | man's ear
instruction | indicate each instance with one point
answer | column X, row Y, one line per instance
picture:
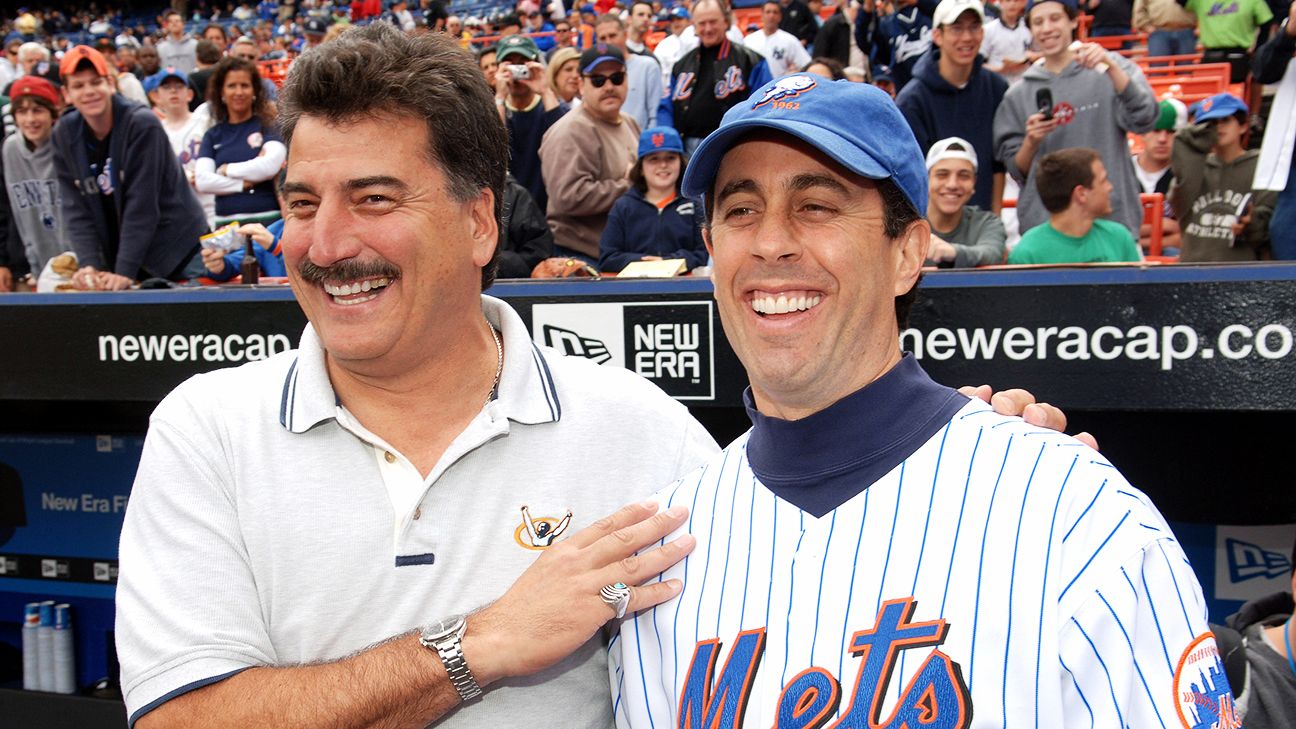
column 706, row 239
column 913, row 244
column 485, row 226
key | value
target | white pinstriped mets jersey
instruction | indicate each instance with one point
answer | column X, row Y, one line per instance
column 996, row 575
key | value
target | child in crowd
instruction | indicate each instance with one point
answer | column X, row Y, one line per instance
column 30, row 177
column 651, row 221
column 1007, row 42
column 1221, row 217
column 223, row 266
column 170, row 94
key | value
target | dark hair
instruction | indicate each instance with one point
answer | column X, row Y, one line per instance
column 37, row 100
column 773, row 2
column 1058, row 174
column 207, row 52
column 640, row 2
column 217, row 26
column 216, row 84
column 897, row 215
column 167, row 15
column 640, row 183
column 835, row 67
column 377, row 69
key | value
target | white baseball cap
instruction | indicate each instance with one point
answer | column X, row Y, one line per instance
column 949, row 11
column 941, row 151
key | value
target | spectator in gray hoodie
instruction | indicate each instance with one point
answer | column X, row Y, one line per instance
column 178, row 50
column 1094, row 99
column 31, row 182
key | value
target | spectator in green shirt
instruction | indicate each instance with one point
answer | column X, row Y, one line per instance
column 1228, row 31
column 1074, row 188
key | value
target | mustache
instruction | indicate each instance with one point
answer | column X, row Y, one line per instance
column 347, row 270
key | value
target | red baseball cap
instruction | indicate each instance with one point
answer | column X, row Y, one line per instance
column 74, row 57
column 34, row 86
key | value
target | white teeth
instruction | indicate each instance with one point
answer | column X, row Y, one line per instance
column 361, row 300
column 784, row 304
column 357, row 287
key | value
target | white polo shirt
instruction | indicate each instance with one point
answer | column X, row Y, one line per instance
column 267, row 527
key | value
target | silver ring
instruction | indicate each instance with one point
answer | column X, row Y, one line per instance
column 617, row 597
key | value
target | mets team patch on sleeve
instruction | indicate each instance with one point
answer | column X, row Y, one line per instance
column 1202, row 695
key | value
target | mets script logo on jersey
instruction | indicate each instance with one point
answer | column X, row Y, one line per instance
column 684, row 86
column 1202, row 695
column 1248, row 561
column 936, row 697
column 732, row 82
column 783, row 89
column 540, row 532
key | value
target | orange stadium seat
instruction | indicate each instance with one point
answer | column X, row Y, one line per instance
column 1154, row 216
column 1186, row 60
column 653, row 38
column 747, row 16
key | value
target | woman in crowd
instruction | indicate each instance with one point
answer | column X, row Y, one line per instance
column 242, row 152
column 564, row 75
column 651, row 221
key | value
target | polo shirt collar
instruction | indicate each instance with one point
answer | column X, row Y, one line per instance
column 527, row 393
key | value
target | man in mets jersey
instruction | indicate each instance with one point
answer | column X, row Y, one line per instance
column 879, row 550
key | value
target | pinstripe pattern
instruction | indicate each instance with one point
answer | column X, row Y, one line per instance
column 1072, row 607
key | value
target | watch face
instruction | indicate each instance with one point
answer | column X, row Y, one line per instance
column 443, row 628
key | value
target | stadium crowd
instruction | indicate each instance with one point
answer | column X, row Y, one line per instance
column 130, row 139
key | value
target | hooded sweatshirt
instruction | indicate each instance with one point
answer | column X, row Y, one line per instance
column 35, row 199
column 1268, row 700
column 1090, row 114
column 936, row 109
column 638, row 228
column 1207, row 195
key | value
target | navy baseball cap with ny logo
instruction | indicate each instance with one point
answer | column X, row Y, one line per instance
column 855, row 124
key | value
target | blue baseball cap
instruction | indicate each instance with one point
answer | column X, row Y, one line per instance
column 679, row 12
column 660, row 139
column 1219, row 106
column 154, row 82
column 857, row 125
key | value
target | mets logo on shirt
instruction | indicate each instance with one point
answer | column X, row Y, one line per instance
column 1202, row 695
column 539, row 532
column 784, row 89
column 254, row 140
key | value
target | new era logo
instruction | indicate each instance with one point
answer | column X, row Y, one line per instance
column 573, row 344
column 1248, row 561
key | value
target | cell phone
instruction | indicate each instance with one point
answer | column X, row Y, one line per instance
column 1044, row 103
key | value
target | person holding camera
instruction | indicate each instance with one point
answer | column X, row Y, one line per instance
column 1077, row 95
column 529, row 107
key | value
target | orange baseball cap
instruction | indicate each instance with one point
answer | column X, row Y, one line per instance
column 74, row 57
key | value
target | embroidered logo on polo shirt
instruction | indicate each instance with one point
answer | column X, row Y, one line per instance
column 540, row 532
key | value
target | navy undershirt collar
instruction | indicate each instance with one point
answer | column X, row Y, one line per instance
column 822, row 461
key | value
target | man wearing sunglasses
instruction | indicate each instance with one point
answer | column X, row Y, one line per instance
column 587, row 154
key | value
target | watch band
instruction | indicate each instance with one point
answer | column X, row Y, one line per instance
column 449, row 646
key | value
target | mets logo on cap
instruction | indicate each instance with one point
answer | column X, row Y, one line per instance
column 784, row 89
column 1207, row 103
